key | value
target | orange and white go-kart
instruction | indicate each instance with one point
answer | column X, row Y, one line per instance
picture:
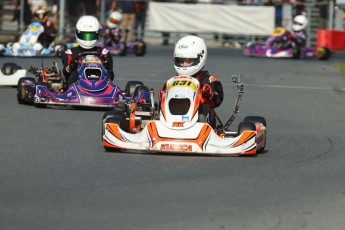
column 177, row 126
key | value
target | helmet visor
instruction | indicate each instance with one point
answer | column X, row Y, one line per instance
column 297, row 23
column 87, row 36
column 113, row 20
column 186, row 62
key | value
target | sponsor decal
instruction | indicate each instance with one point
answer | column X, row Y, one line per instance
column 183, row 46
column 176, row 147
column 185, row 118
column 178, row 124
column 91, row 58
column 183, row 83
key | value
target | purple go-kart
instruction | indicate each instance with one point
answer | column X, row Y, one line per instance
column 279, row 46
column 92, row 88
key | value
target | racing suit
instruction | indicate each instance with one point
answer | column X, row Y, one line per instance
column 71, row 56
column 297, row 38
column 216, row 86
column 111, row 36
column 206, row 109
column 48, row 35
column 300, row 38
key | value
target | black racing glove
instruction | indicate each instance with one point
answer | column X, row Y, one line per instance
column 72, row 66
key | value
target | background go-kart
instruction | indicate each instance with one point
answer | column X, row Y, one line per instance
column 55, row 174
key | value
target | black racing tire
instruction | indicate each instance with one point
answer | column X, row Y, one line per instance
column 257, row 119
column 141, row 49
column 20, row 95
column 296, row 52
column 123, row 51
column 323, row 53
column 114, row 117
column 10, row 68
column 246, row 126
column 130, row 87
column 140, row 89
column 40, row 106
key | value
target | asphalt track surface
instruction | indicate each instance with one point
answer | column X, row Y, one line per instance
column 55, row 174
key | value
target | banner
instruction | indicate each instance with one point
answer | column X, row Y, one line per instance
column 211, row 18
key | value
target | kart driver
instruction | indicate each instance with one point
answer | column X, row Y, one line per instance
column 87, row 35
column 190, row 57
column 111, row 32
column 299, row 35
column 48, row 36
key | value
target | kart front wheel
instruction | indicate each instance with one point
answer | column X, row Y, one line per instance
column 10, row 68
column 20, row 90
column 113, row 117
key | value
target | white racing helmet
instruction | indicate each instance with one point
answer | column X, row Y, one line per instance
column 87, row 31
column 114, row 19
column 300, row 22
column 190, row 47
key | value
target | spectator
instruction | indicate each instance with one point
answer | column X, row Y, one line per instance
column 73, row 13
column 278, row 4
column 92, row 7
column 140, row 19
column 27, row 12
column 165, row 35
column 34, row 4
column 110, row 6
column 128, row 18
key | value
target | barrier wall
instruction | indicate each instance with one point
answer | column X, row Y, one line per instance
column 211, row 18
column 332, row 39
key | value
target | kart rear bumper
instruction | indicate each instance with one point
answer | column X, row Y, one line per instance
column 198, row 139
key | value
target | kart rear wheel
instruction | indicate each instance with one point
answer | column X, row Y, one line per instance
column 10, row 68
column 296, row 52
column 246, row 126
column 20, row 90
column 323, row 53
column 255, row 119
column 40, row 106
column 130, row 87
column 141, row 49
column 117, row 116
column 258, row 119
column 140, row 89
column 123, row 49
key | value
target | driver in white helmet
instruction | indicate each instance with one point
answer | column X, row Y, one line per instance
column 111, row 32
column 190, row 57
column 299, row 35
column 87, row 35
